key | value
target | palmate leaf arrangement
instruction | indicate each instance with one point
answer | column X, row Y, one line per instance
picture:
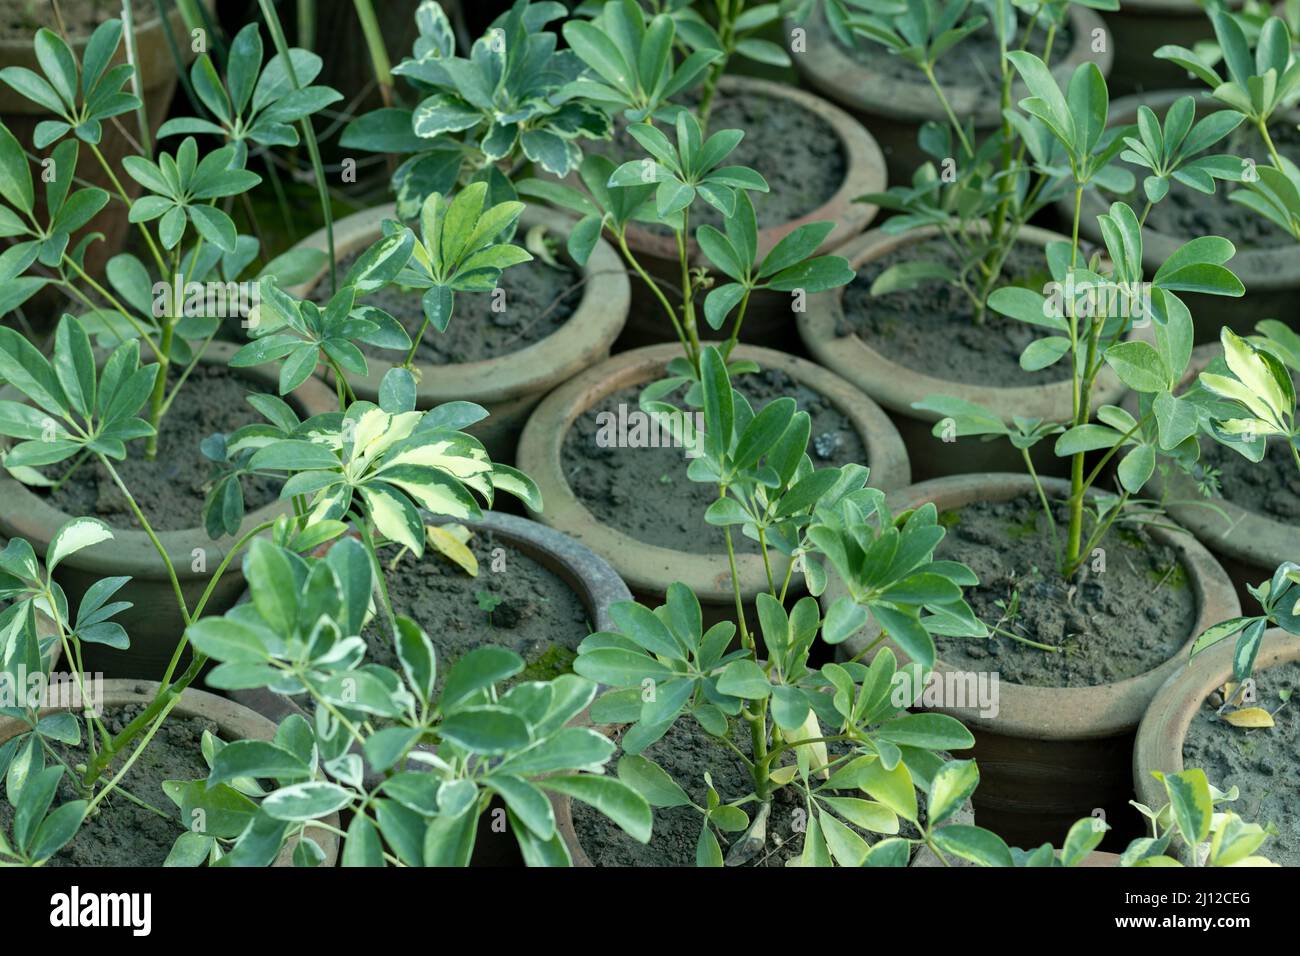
column 439, row 748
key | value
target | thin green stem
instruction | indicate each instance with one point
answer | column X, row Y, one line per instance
column 308, row 134
column 153, row 537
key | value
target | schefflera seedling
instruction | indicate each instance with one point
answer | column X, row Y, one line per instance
column 839, row 734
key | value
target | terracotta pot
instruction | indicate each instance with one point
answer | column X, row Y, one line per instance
column 649, row 569
column 1164, row 726
column 895, row 387
column 509, row 386
column 1054, row 754
column 154, row 622
column 157, row 70
column 234, row 722
column 1271, row 274
column 767, row 317
column 1140, row 27
column 894, row 109
column 1248, row 545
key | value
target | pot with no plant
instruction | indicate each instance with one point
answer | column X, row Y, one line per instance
column 1231, row 711
column 807, row 158
column 918, row 314
column 78, row 445
column 1259, row 146
column 900, row 70
column 1045, row 556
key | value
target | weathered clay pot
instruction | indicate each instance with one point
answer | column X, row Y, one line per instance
column 509, row 386
column 1052, row 755
column 897, row 386
column 1248, row 545
column 234, row 722
column 649, row 569
column 768, row 315
column 894, row 110
column 1140, row 27
column 154, row 622
column 157, row 70
column 1271, row 275
column 1164, row 727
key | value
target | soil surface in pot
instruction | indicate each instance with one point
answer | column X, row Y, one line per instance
column 1270, row 487
column 539, row 617
column 973, row 62
column 1260, row 762
column 122, row 833
column 1111, row 624
column 19, row 19
column 932, row 328
column 796, row 151
column 685, row 753
column 538, row 299
column 644, row 492
column 169, row 490
column 1186, row 213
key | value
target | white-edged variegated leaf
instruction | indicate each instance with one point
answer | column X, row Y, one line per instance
column 72, row 537
column 394, row 516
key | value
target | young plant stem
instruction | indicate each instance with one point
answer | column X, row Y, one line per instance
column 688, row 296
column 121, row 192
column 112, row 300
column 621, row 238
column 167, row 325
column 375, row 46
column 1074, row 537
column 153, row 537
column 308, row 135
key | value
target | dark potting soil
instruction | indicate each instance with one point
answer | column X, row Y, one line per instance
column 1110, row 624
column 974, row 61
column 1260, row 762
column 932, row 328
column 686, row 752
column 122, row 833
column 20, row 18
column 644, row 492
column 538, row 298
column 539, row 617
column 797, row 152
column 1270, row 488
column 1186, row 213
column 170, row 489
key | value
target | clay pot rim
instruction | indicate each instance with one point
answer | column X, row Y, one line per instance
column 30, row 516
column 1247, row 536
column 235, row 721
column 648, row 567
column 1164, row 727
column 587, row 574
column 896, row 386
column 837, row 74
column 864, row 173
column 583, row 337
column 1260, row 270
column 1066, row 713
